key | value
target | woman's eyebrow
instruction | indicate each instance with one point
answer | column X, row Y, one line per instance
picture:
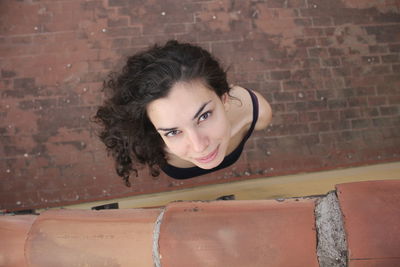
column 167, row 129
column 200, row 110
column 195, row 116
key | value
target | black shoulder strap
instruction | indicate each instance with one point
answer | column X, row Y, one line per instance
column 254, row 100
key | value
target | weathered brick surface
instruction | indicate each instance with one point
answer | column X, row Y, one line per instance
column 329, row 68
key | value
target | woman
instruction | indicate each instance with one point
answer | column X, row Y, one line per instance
column 171, row 108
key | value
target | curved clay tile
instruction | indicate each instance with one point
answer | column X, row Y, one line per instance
column 92, row 238
column 255, row 233
column 239, row 233
column 13, row 233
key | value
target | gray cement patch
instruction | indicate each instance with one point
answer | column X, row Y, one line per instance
column 332, row 246
column 156, row 235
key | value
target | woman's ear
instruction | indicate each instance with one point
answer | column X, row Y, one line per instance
column 225, row 101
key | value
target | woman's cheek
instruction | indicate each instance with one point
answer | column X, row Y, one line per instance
column 219, row 127
column 175, row 145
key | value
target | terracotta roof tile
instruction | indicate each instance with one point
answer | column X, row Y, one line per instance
column 13, row 232
column 375, row 263
column 372, row 222
column 217, row 233
column 239, row 233
column 92, row 238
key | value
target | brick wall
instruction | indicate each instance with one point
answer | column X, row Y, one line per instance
column 330, row 69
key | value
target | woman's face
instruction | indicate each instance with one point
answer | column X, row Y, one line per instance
column 193, row 123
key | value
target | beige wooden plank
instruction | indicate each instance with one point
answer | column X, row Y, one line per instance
column 306, row 184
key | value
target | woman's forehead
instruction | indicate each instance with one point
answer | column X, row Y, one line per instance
column 184, row 92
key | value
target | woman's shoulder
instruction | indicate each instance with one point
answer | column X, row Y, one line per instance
column 246, row 106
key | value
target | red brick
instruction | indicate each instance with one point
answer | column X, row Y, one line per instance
column 302, row 21
column 21, row 40
column 376, row 100
column 317, row 105
column 392, row 58
column 370, row 112
column 300, row 74
column 296, row 4
column 117, row 3
column 313, row 32
column 392, row 110
column 391, row 78
column 394, row 100
column 330, row 115
column 319, row 127
column 394, row 47
column 371, row 60
column 175, row 28
column 278, row 107
column 322, row 21
column 308, row 116
column 378, row 49
column 331, row 62
column 341, row 71
column 357, row 101
column 325, row 41
column 124, row 32
column 283, row 96
column 387, row 89
column 350, row 113
column 383, row 122
column 310, row 42
column 360, row 123
column 297, row 106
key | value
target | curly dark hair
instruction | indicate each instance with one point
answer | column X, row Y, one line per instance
column 127, row 131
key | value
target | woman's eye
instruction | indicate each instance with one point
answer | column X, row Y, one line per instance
column 205, row 116
column 172, row 133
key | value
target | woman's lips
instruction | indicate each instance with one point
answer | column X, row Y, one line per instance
column 210, row 157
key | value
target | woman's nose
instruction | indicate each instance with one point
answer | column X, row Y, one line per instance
column 198, row 141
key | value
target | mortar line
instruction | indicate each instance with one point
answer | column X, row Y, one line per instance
column 156, row 235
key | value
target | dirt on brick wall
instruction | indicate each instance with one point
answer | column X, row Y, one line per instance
column 330, row 69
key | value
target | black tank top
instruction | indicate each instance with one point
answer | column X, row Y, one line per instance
column 186, row 173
